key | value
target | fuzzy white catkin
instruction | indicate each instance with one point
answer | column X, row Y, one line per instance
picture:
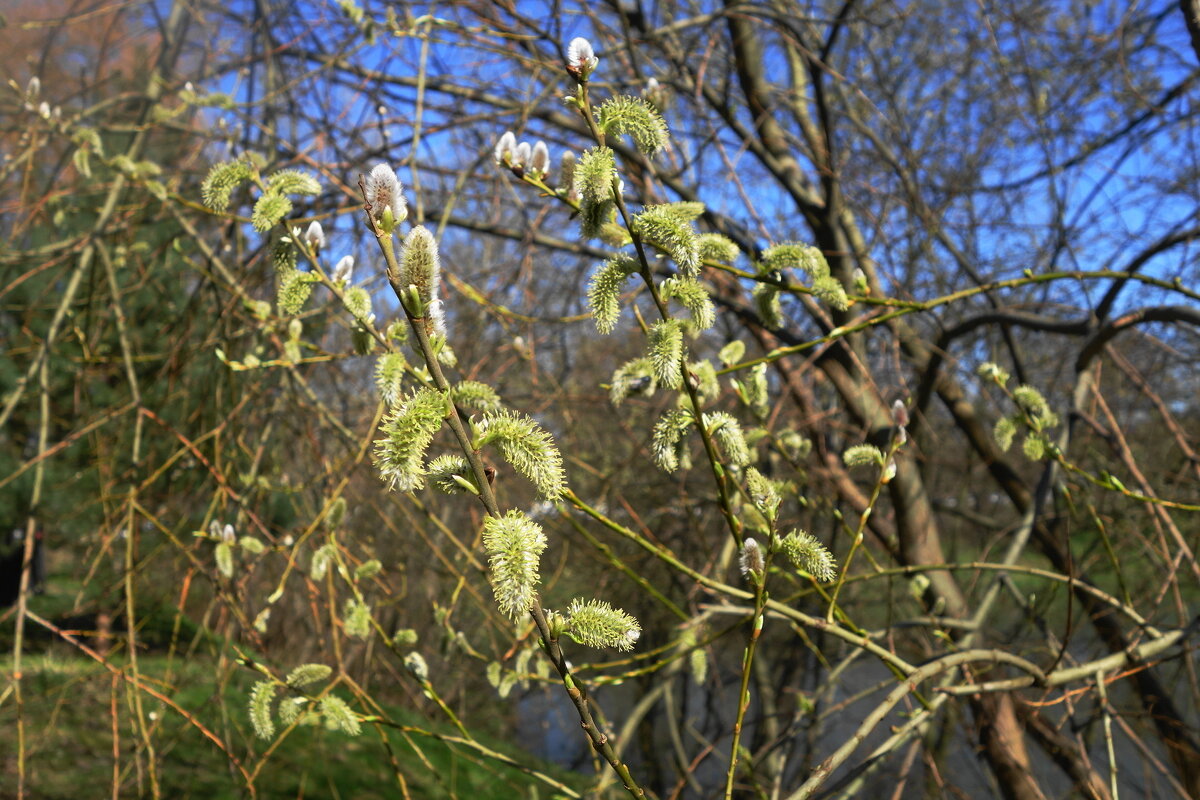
column 385, row 191
column 506, row 147
column 315, row 235
column 580, row 55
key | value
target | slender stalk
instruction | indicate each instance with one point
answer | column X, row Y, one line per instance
column 760, row 602
column 859, row 531
column 1102, row 691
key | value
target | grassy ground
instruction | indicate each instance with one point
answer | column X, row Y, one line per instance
column 69, row 709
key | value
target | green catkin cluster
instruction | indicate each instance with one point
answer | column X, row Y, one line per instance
column 514, row 544
column 595, row 623
column 307, row 674
column 767, row 304
column 283, row 255
column 715, row 247
column 1033, row 413
column 407, row 432
column 290, row 710
column 810, row 260
column 732, row 352
column 274, row 204
column 753, row 391
column 604, row 290
column 389, row 376
column 692, row 295
column 1004, row 432
column 261, row 697
column 594, row 185
column 636, row 118
column 358, row 303
column 295, row 287
column 667, row 446
column 368, row 569
column 728, row 433
column 671, row 227
column 698, row 665
column 414, row 662
column 805, row 552
column 339, row 716
column 224, row 558
column 862, row 455
column 475, row 395
column 794, row 255
column 356, row 617
column 293, row 181
column 222, row 179
column 993, row 372
column 764, row 493
column 525, row 445
column 665, row 343
column 320, row 561
column 632, row 377
column 830, row 291
column 419, row 277
column 450, row 473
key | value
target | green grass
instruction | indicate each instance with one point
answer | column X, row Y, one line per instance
column 69, row 743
